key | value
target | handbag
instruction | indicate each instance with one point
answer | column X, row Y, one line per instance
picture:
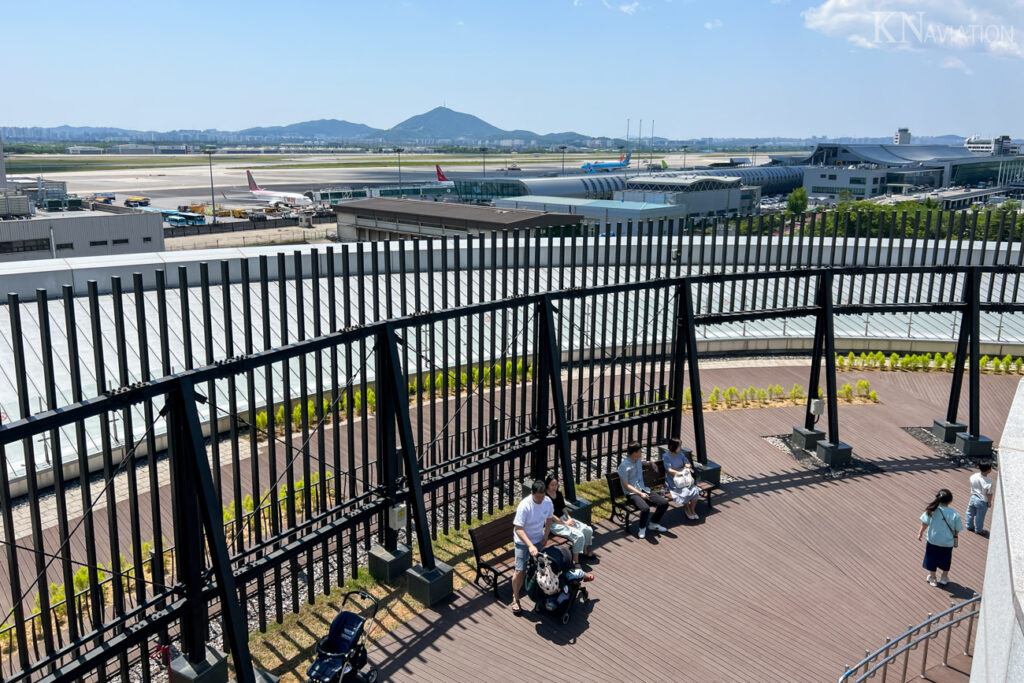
column 683, row 480
column 956, row 537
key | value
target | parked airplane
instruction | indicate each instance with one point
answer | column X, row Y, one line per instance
column 592, row 166
column 272, row 197
column 444, row 180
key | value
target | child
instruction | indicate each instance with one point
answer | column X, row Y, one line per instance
column 981, row 497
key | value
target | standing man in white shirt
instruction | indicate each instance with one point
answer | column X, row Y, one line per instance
column 530, row 530
column 981, row 497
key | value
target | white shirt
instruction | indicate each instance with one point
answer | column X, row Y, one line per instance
column 531, row 517
column 981, row 486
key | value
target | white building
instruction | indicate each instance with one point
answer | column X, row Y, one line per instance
column 901, row 137
column 80, row 233
column 828, row 182
column 1001, row 144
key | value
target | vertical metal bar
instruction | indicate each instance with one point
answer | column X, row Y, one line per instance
column 830, row 358
column 108, row 462
column 700, row 445
column 549, row 345
column 961, row 354
column 128, row 439
column 974, row 311
column 272, row 427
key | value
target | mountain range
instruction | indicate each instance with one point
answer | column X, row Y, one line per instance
column 439, row 126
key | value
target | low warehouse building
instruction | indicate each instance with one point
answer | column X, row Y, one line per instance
column 380, row 219
column 80, row 233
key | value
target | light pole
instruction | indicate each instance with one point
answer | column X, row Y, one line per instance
column 685, row 147
column 753, row 161
column 562, row 147
column 399, row 150
column 483, row 159
column 213, row 197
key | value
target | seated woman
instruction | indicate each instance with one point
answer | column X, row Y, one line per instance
column 578, row 533
column 676, row 463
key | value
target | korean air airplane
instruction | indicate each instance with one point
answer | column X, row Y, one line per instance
column 592, row 166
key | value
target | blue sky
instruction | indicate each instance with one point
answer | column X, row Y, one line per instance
column 696, row 67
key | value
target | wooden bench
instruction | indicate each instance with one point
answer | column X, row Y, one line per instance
column 494, row 539
column 654, row 479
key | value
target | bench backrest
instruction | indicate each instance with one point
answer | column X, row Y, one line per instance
column 654, row 476
column 493, row 535
column 614, row 485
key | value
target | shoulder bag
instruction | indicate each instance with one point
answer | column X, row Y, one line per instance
column 956, row 537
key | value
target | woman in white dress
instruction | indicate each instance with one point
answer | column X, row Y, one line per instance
column 678, row 469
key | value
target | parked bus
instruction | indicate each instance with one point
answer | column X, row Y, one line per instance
column 194, row 218
column 176, row 221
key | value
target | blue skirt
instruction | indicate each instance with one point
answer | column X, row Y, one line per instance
column 937, row 557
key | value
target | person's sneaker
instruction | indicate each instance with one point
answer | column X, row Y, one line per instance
column 944, row 580
column 574, row 574
column 692, row 516
column 931, row 581
column 970, row 528
column 642, row 533
column 656, row 527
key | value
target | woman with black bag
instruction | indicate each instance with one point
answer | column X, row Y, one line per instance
column 943, row 526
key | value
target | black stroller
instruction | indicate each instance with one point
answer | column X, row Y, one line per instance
column 553, row 584
column 341, row 656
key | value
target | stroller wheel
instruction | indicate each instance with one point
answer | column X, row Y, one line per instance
column 372, row 676
column 565, row 619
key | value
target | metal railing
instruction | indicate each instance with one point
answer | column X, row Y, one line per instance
column 896, row 653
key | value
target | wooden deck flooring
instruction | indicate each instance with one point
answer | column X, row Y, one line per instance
column 789, row 579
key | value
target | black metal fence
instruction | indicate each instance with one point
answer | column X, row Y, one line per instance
column 321, row 419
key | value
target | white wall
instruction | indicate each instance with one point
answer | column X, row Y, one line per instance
column 999, row 648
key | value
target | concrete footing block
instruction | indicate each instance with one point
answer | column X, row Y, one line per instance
column 388, row 566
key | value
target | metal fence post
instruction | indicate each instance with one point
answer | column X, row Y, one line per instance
column 549, row 341
column 199, row 502
column 699, row 443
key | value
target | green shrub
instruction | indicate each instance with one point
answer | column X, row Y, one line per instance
column 863, row 388
column 846, row 392
column 873, row 396
column 371, row 401
column 1018, row 364
column 950, row 361
column 796, row 393
column 983, row 363
column 248, row 506
column 894, row 360
column 57, row 602
column 850, row 360
column 762, row 396
column 279, row 417
column 261, row 421
column 687, row 396
column 713, row 399
column 297, row 415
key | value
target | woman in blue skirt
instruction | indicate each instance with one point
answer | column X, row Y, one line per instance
column 943, row 525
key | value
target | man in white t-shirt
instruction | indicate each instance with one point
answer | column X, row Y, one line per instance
column 530, row 532
column 981, row 497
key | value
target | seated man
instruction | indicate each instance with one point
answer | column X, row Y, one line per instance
column 631, row 475
column 530, row 529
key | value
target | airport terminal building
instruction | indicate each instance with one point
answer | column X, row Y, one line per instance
column 868, row 170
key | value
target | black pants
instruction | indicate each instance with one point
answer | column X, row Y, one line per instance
column 644, row 506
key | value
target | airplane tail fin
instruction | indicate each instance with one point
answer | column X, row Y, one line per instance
column 627, row 157
column 441, row 177
column 252, row 182
column 664, row 165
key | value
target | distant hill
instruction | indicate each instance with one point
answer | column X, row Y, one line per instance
column 323, row 129
column 442, row 123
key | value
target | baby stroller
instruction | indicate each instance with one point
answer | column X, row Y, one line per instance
column 553, row 584
column 341, row 656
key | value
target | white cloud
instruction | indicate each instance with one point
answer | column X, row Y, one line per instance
column 957, row 64
column 997, row 27
column 629, row 9
column 711, row 25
